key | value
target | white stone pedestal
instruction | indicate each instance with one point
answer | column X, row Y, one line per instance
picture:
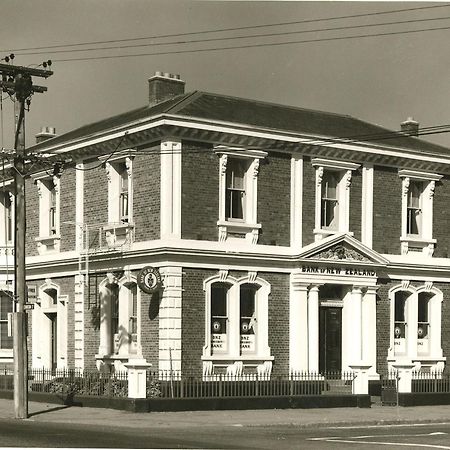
column 404, row 375
column 360, row 384
column 137, row 378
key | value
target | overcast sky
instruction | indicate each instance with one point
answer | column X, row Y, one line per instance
column 382, row 80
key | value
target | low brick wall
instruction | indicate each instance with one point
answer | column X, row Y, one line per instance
column 204, row 404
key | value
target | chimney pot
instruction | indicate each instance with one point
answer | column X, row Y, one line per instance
column 410, row 127
column 45, row 134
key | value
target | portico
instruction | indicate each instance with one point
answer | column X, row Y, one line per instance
column 333, row 307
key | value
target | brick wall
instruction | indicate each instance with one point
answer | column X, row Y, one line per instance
column 199, row 192
column 309, row 205
column 95, row 195
column 147, row 194
column 274, row 199
column 387, row 207
column 441, row 218
column 355, row 204
column 67, row 210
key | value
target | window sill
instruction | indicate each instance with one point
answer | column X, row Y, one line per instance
column 238, row 230
column 48, row 244
column 417, row 244
column 244, row 358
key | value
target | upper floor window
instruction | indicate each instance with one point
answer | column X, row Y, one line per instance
column 417, row 211
column 329, row 208
column 235, row 189
column 333, row 180
column 414, row 211
column 238, row 189
column 49, row 213
column 119, row 171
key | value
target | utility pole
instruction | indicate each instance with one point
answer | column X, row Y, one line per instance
column 17, row 82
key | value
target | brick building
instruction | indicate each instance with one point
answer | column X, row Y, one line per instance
column 287, row 239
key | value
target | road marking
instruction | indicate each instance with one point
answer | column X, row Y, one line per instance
column 389, row 425
column 357, row 440
column 400, row 444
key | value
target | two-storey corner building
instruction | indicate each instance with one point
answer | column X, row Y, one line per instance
column 287, row 240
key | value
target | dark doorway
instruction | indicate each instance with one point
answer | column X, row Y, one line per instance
column 53, row 340
column 330, row 339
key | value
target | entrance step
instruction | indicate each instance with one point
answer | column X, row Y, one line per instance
column 337, row 387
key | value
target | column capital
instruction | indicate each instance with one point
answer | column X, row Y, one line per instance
column 372, row 289
column 314, row 287
column 356, row 290
column 299, row 286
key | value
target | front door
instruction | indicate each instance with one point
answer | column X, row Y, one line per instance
column 330, row 339
column 53, row 341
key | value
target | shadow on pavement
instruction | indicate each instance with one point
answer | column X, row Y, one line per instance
column 57, row 408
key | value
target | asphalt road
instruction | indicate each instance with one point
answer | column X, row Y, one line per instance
column 30, row 433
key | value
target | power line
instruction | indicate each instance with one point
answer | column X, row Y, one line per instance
column 219, row 30
column 196, row 41
column 240, row 47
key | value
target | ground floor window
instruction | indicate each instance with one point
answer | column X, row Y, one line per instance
column 6, row 307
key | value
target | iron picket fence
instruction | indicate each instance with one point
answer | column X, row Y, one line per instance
column 434, row 381
column 173, row 384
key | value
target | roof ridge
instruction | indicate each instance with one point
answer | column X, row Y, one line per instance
column 186, row 98
column 277, row 104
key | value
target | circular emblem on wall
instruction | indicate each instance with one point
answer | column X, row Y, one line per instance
column 397, row 332
column 245, row 327
column 216, row 326
column 420, row 332
column 149, row 279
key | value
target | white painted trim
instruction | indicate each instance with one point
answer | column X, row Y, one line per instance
column 170, row 209
column 296, row 202
column 334, row 164
column 79, row 210
column 367, row 205
column 418, row 175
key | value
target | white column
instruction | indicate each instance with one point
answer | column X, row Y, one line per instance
column 61, row 325
column 170, row 320
column 296, row 201
column 234, row 332
column 367, row 205
column 105, row 322
column 313, row 329
column 355, row 335
column 170, row 189
column 298, row 327
column 369, row 329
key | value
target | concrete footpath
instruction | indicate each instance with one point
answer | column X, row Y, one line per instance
column 377, row 415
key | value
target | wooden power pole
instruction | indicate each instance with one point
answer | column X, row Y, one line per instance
column 17, row 82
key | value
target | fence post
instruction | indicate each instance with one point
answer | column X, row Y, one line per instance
column 360, row 384
column 404, row 376
column 137, row 378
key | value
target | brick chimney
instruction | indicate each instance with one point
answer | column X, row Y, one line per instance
column 164, row 86
column 410, row 127
column 45, row 134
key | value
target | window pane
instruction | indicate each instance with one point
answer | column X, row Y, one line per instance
column 400, row 308
column 329, row 185
column 413, row 221
column 423, row 309
column 5, row 340
column 5, row 306
column 329, row 210
column 247, row 308
column 219, row 308
column 415, row 190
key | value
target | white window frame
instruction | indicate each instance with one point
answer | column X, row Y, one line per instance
column 344, row 171
column 422, row 352
column 118, row 231
column 49, row 239
column 423, row 242
column 247, row 226
column 234, row 354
